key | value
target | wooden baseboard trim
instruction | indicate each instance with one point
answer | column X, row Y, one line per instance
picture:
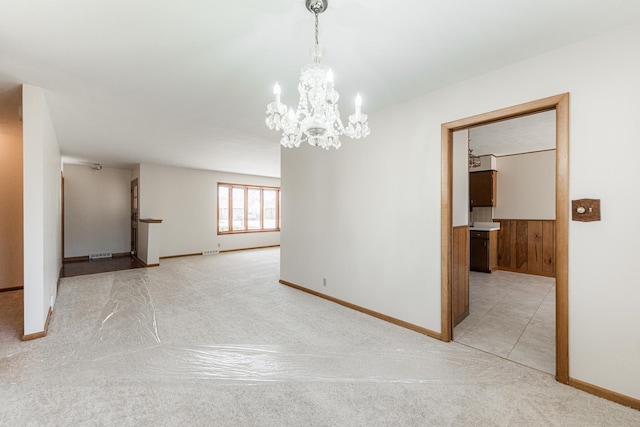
column 179, row 256
column 515, row 270
column 144, row 263
column 605, row 394
column 42, row 334
column 75, row 259
column 456, row 322
column 248, row 249
column 121, row 254
column 381, row 316
column 15, row 288
column 227, row 250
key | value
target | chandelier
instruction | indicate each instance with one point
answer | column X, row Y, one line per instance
column 317, row 119
column 474, row 161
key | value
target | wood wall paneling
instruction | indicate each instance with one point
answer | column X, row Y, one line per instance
column 548, row 248
column 460, row 274
column 493, row 250
column 534, row 246
column 504, row 246
column 522, row 250
column 527, row 246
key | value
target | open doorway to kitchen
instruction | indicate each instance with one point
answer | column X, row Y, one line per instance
column 560, row 104
column 508, row 211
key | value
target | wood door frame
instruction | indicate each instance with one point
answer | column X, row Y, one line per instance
column 62, row 213
column 559, row 103
column 134, row 215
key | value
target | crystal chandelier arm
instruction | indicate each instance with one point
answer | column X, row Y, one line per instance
column 317, row 118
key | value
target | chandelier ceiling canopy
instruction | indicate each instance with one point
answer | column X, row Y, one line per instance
column 317, row 118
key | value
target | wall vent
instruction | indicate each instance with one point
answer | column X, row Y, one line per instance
column 211, row 252
column 101, row 255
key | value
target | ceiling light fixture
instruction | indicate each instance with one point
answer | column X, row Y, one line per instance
column 317, row 119
column 474, row 161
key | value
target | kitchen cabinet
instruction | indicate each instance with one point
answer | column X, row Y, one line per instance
column 483, row 188
column 483, row 251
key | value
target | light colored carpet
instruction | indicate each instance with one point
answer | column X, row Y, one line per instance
column 216, row 340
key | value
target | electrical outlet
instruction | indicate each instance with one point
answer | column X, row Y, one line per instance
column 324, row 282
column 211, row 252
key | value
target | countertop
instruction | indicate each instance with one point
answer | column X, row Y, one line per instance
column 485, row 226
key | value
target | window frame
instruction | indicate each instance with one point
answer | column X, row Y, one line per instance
column 246, row 187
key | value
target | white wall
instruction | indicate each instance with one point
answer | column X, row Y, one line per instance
column 11, row 248
column 186, row 201
column 460, row 155
column 97, row 210
column 526, row 186
column 367, row 216
column 42, row 209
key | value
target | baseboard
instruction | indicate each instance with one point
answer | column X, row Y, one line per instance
column 180, row 256
column 86, row 257
column 248, row 249
column 15, row 288
column 605, row 394
column 515, row 270
column 226, row 250
column 463, row 316
column 381, row 316
column 42, row 334
column 144, row 263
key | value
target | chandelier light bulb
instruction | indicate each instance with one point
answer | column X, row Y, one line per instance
column 276, row 92
column 317, row 118
column 330, row 76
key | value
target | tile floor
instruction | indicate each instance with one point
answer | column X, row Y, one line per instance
column 511, row 315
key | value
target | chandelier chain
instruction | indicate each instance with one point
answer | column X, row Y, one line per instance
column 317, row 42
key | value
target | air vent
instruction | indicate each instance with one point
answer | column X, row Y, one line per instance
column 101, row 255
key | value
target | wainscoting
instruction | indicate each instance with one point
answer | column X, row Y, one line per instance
column 460, row 274
column 527, row 246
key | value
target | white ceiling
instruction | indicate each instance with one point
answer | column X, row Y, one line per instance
column 187, row 83
column 525, row 134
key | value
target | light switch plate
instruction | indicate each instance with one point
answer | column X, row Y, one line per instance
column 585, row 210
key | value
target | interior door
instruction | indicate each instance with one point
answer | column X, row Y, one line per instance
column 134, row 216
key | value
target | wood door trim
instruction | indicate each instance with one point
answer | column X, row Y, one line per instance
column 559, row 103
column 135, row 183
column 62, row 213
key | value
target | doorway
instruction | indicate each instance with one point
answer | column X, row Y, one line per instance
column 134, row 217
column 561, row 104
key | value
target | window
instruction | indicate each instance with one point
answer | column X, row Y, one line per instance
column 248, row 208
